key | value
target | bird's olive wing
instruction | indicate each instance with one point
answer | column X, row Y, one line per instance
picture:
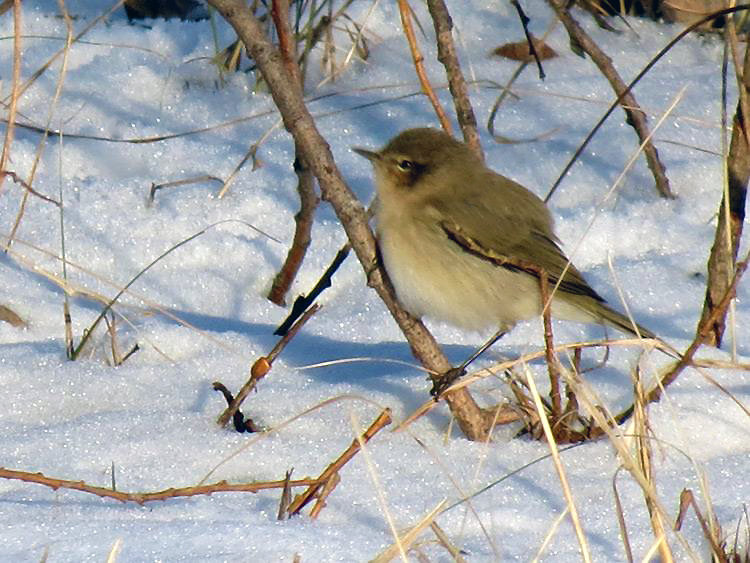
column 511, row 228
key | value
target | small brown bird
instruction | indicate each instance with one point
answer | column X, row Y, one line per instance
column 466, row 245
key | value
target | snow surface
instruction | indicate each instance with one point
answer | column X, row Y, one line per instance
column 153, row 417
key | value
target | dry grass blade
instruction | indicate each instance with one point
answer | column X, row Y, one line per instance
column 15, row 90
column 406, row 539
column 550, row 534
column 8, row 315
column 645, row 465
column 621, row 518
column 559, row 467
column 444, row 540
column 115, row 551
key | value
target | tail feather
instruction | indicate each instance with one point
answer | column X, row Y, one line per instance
column 621, row 322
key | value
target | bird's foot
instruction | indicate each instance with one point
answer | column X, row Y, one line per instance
column 445, row 380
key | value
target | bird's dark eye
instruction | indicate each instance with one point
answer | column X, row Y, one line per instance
column 405, row 165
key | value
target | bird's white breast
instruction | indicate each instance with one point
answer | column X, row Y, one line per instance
column 435, row 277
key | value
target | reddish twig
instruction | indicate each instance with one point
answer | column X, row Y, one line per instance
column 303, row 222
column 308, row 199
column 141, row 498
column 262, row 366
column 441, row 19
column 405, row 11
column 328, row 478
column 553, row 366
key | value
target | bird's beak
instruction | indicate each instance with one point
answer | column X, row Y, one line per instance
column 369, row 155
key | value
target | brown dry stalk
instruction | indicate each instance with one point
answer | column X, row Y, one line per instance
column 405, row 11
column 303, row 220
column 474, row 422
column 262, row 366
column 553, row 365
column 643, row 457
column 635, row 117
column 687, row 500
column 467, row 121
column 331, row 472
column 15, row 89
column 141, row 498
column 721, row 262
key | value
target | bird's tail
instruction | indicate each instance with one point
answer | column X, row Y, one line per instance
column 621, row 322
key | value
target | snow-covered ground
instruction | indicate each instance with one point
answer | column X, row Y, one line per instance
column 201, row 314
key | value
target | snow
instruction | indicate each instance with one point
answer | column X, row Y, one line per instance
column 200, row 314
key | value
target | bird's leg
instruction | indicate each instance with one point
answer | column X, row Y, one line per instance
column 447, row 378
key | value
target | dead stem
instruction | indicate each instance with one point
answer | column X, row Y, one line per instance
column 441, row 19
column 141, row 498
column 303, row 220
column 721, row 262
column 635, row 117
column 331, row 472
column 405, row 11
column 262, row 366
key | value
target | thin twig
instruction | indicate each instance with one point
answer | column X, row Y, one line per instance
column 405, row 11
column 467, row 121
column 141, row 498
column 301, row 500
column 631, row 85
column 635, row 117
column 302, row 302
column 529, row 39
column 262, row 366
column 308, row 199
column 13, row 176
column 553, row 365
column 303, row 223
